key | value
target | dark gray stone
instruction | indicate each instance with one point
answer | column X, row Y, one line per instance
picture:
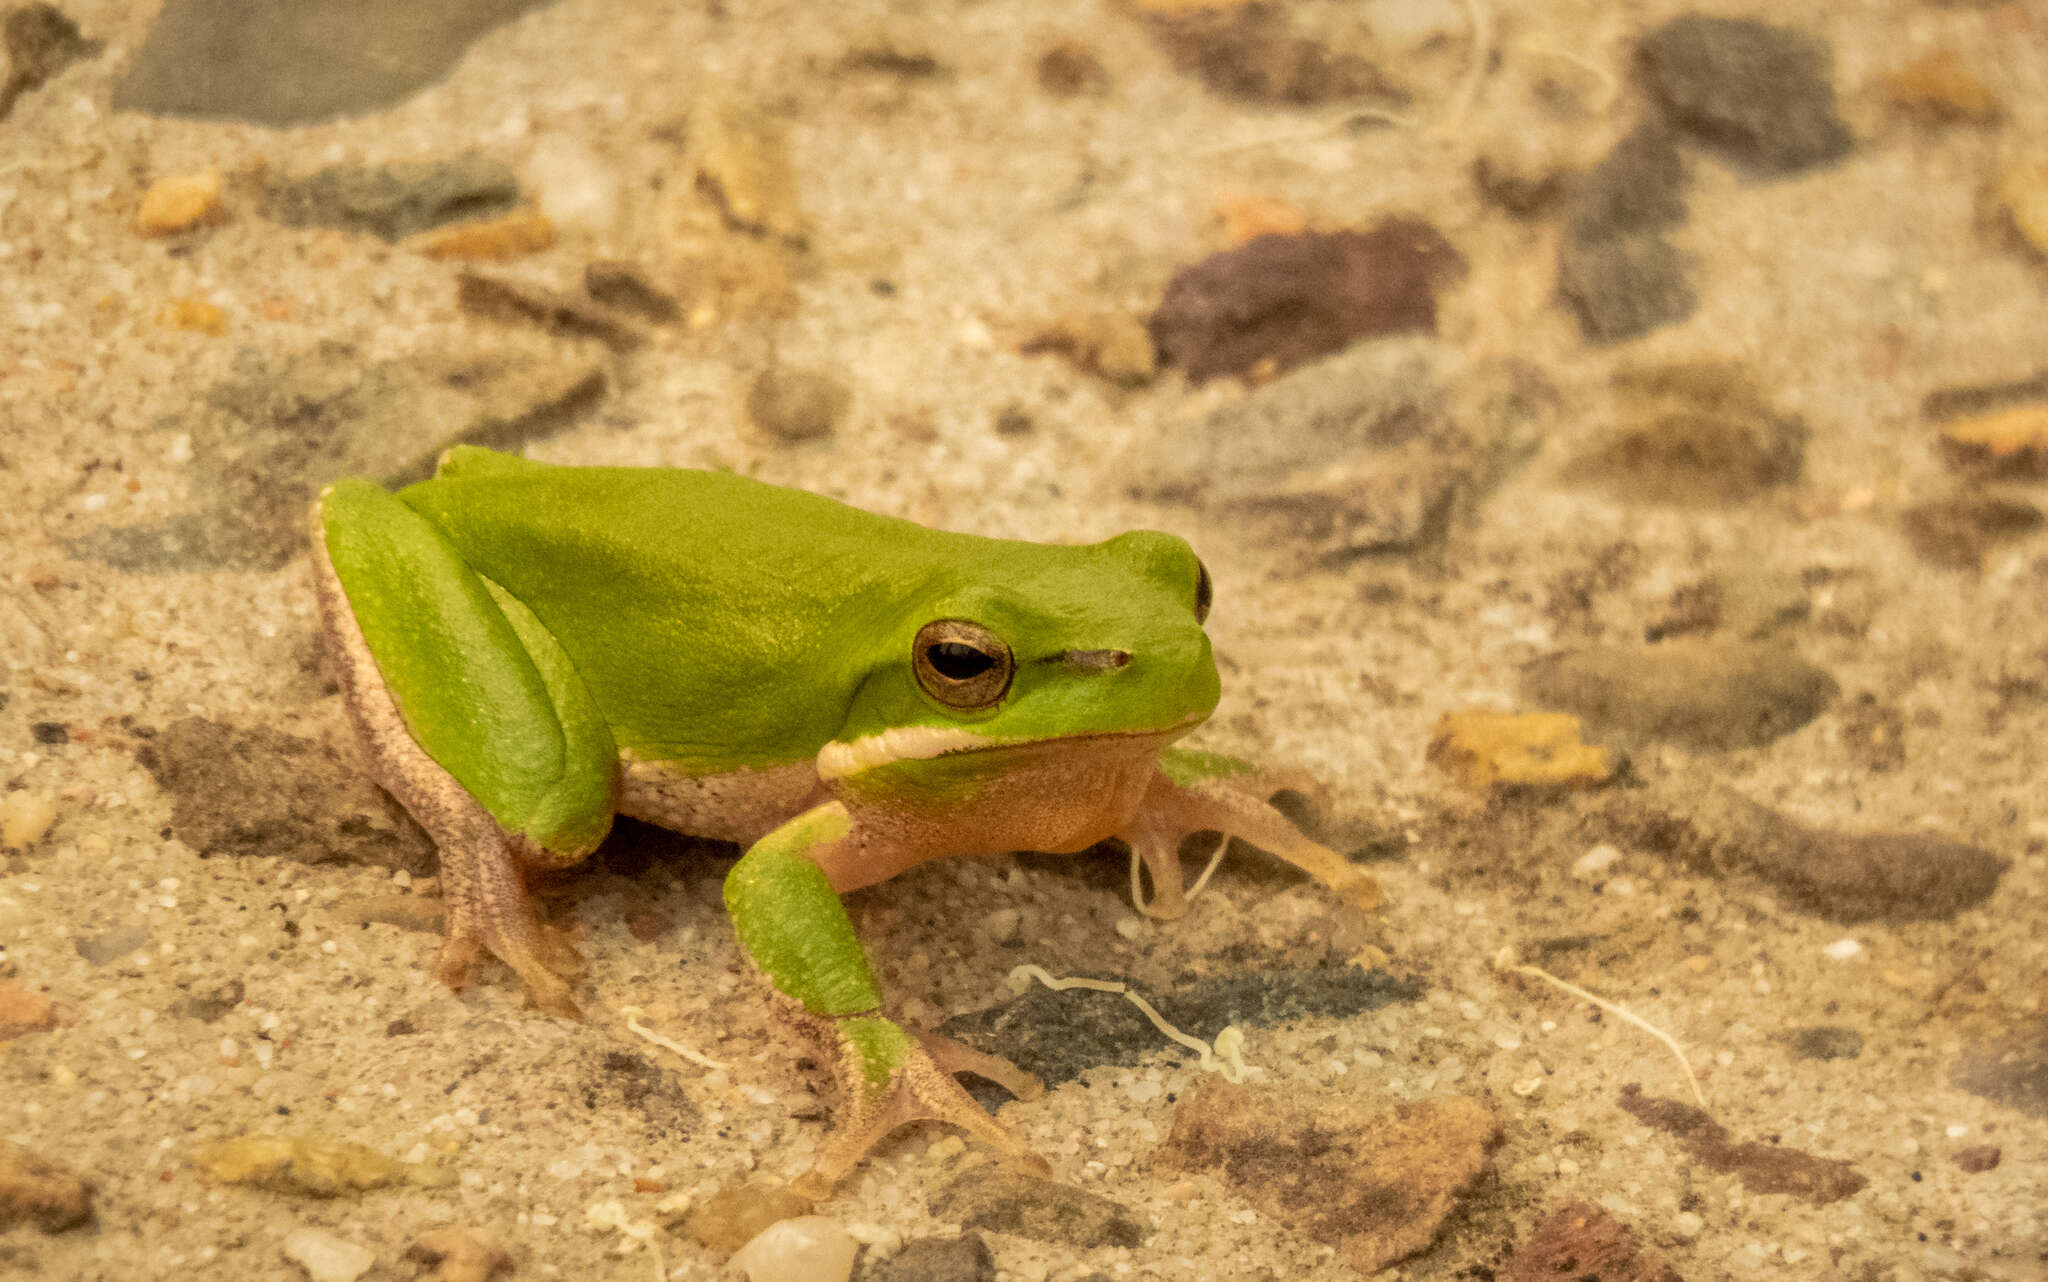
column 1764, row 95
column 1843, row 877
column 1060, row 1035
column 2011, row 1071
column 1638, row 187
column 1623, row 286
column 296, row 62
column 111, row 945
column 264, row 441
column 396, row 201
column 1042, row 1210
column 940, row 1259
column 1707, row 696
column 1824, row 1041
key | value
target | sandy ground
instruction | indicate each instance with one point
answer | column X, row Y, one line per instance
column 992, row 208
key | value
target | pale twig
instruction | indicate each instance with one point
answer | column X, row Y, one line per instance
column 632, row 1016
column 1505, row 960
column 1475, row 66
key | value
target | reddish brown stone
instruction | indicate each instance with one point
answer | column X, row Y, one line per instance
column 1762, row 1168
column 1276, row 302
column 1583, row 1243
column 1977, row 1159
column 22, row 1011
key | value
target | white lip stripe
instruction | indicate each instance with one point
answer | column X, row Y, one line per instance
column 904, row 743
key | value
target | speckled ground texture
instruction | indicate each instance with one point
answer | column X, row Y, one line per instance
column 213, row 980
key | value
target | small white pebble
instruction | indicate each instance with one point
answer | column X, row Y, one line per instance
column 1842, row 950
column 1130, row 927
column 1594, row 864
column 809, row 1248
column 325, row 1257
column 1957, row 1131
column 1001, row 925
column 1687, row 1225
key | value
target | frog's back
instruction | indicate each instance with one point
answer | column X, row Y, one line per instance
column 718, row 621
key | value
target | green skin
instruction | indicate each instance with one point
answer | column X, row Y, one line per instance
column 529, row 649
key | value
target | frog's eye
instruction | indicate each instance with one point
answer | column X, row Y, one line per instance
column 962, row 664
column 1205, row 593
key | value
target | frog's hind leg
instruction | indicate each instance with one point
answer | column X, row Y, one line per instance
column 474, row 719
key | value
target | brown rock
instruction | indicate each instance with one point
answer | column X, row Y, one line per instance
column 1844, row 877
column 733, row 1217
column 1069, row 70
column 459, row 1255
column 1110, row 344
column 2010, row 1071
column 1959, row 531
column 1977, row 1159
column 1249, row 52
column 795, row 405
column 2007, row 442
column 1374, row 1181
column 1936, row 87
column 1580, row 1242
column 514, row 235
column 1706, row 695
column 626, row 288
column 1484, row 750
column 1276, row 302
column 179, row 203
column 1042, row 1210
column 1692, row 433
column 40, row 1191
column 22, row 1011
column 744, row 168
column 565, row 314
column 1762, row 1168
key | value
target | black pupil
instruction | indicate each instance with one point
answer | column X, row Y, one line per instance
column 957, row 661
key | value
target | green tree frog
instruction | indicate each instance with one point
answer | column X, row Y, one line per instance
column 527, row 650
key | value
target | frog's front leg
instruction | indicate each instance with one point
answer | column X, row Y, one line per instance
column 1197, row 791
column 473, row 718
column 793, row 927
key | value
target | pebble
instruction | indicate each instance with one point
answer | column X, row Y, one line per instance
column 625, row 287
column 1042, row 1210
column 1960, row 530
column 25, row 819
column 194, row 315
column 1692, row 433
column 1762, row 1167
column 1001, row 925
column 2011, row 1070
column 1280, row 301
column 1977, row 1159
column 1252, row 53
column 179, row 203
column 563, row 313
column 23, row 1011
column 41, row 41
column 572, row 184
column 325, row 1257
column 2007, row 443
column 40, row 1191
column 1584, row 1243
column 809, row 1248
column 794, row 405
column 1373, row 1179
column 459, row 1255
column 1114, row 345
column 1593, row 865
column 1622, row 287
column 1071, row 70
column 1936, row 86
column 733, row 1217
column 743, row 163
column 111, row 945
column 312, row 62
column 514, row 235
column 395, row 202
column 1843, row 950
column 941, row 1259
column 1707, row 696
column 1763, row 95
column 1484, row 750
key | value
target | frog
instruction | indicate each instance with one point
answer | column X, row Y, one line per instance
column 527, row 650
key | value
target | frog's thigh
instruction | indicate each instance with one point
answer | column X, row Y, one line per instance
column 474, row 719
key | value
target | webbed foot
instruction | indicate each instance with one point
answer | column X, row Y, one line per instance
column 490, row 910
column 889, row 1077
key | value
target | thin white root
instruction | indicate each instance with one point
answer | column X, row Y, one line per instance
column 1225, row 1057
column 1505, row 961
column 1138, row 900
column 632, row 1015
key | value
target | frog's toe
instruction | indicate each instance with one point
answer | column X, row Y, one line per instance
column 919, row 1087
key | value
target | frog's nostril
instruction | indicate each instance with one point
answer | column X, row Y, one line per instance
column 1094, row 660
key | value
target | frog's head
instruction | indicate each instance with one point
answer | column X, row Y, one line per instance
column 1033, row 644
